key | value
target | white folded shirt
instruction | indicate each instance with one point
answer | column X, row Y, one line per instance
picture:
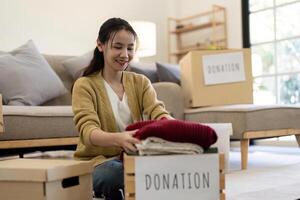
column 158, row 146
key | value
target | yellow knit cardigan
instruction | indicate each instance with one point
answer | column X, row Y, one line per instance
column 92, row 110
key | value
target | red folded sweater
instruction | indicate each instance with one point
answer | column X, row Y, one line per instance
column 176, row 131
column 139, row 125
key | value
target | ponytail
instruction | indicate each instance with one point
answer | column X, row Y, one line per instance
column 96, row 64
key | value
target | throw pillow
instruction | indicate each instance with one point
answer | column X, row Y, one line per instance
column 75, row 65
column 168, row 72
column 26, row 78
column 147, row 69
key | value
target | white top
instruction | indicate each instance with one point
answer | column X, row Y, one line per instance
column 120, row 108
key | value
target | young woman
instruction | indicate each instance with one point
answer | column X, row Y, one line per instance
column 105, row 100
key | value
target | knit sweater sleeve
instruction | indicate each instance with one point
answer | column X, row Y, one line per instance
column 84, row 109
column 152, row 107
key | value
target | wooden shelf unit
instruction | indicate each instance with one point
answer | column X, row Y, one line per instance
column 209, row 29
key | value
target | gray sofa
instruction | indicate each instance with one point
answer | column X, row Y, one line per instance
column 37, row 126
column 51, row 124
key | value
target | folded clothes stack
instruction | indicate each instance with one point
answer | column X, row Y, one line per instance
column 158, row 146
column 177, row 136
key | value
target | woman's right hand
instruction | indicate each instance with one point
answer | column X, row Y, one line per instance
column 126, row 141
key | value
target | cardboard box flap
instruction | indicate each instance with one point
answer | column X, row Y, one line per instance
column 42, row 170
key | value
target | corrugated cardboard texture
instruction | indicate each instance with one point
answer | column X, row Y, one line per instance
column 45, row 179
column 197, row 94
column 42, row 170
column 27, row 190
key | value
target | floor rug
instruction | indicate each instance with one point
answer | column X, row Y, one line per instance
column 272, row 174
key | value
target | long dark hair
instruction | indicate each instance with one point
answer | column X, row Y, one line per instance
column 108, row 29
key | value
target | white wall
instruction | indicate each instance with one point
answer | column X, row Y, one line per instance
column 70, row 26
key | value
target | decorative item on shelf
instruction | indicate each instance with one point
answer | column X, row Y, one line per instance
column 179, row 26
column 215, row 47
column 183, row 27
column 146, row 32
column 202, row 31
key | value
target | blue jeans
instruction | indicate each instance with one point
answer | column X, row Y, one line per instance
column 108, row 180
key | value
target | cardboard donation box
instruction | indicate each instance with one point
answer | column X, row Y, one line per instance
column 217, row 77
column 175, row 177
column 45, row 179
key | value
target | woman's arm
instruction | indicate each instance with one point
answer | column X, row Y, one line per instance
column 86, row 118
column 125, row 139
column 87, row 121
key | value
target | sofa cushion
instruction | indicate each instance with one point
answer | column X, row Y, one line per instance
column 76, row 64
column 29, row 122
column 26, row 78
column 55, row 62
column 248, row 117
column 147, row 69
column 168, row 72
column 172, row 96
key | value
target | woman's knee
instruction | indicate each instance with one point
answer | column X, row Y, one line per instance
column 108, row 178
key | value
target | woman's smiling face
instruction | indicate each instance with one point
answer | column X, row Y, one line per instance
column 119, row 50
